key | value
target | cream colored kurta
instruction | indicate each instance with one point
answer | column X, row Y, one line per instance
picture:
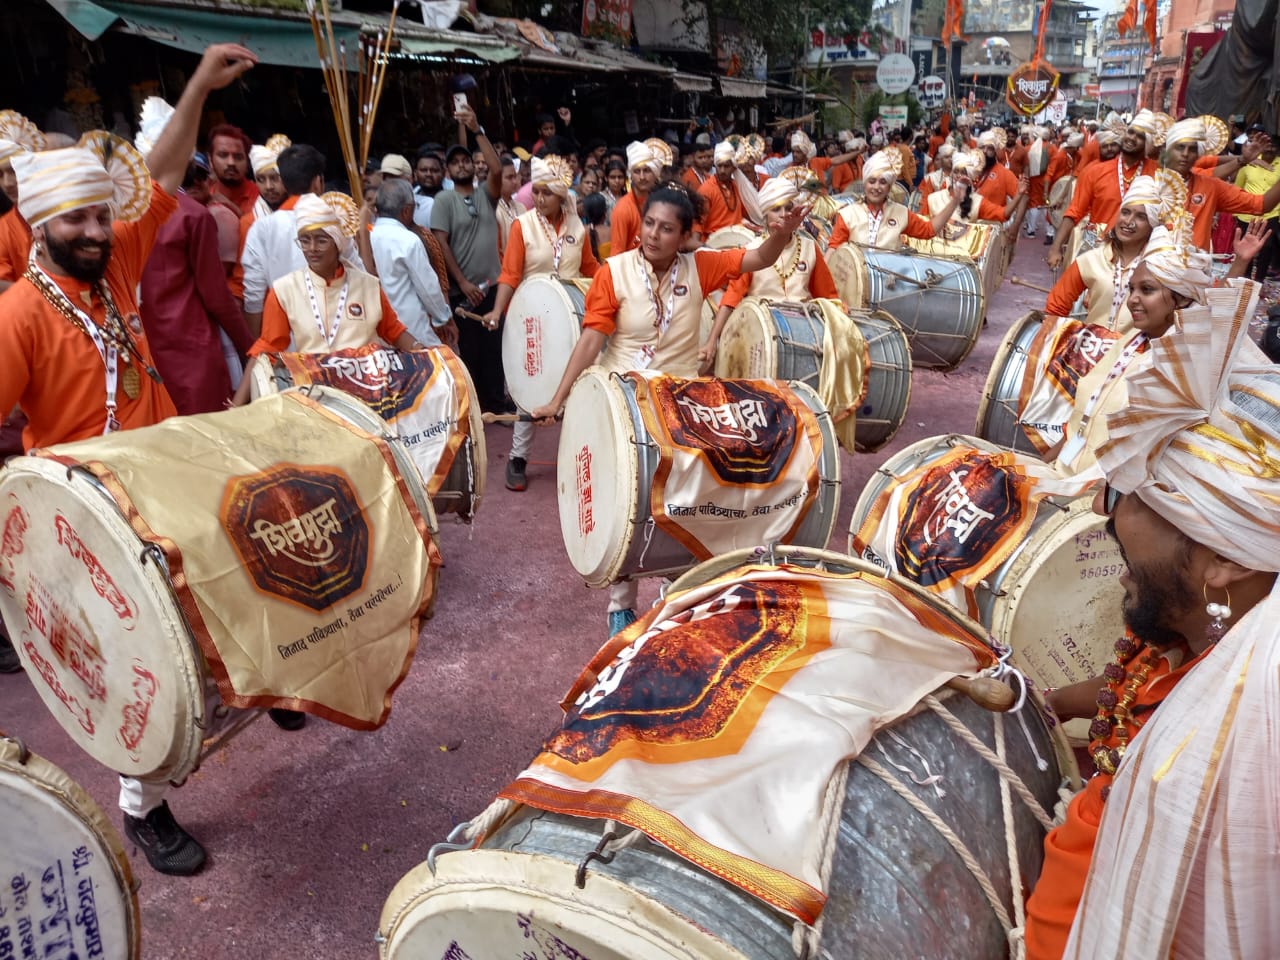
column 1086, row 428
column 1098, row 270
column 361, row 313
column 507, row 213
column 892, row 222
column 788, row 279
column 676, row 350
column 539, row 251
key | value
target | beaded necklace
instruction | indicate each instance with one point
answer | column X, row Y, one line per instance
column 1115, row 703
column 1126, row 182
column 730, row 195
column 785, row 275
column 328, row 336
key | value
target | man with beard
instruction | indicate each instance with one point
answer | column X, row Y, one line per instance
column 644, row 167
column 229, row 157
column 73, row 352
column 428, row 181
column 1175, row 839
column 995, row 181
column 1103, row 185
column 1186, row 141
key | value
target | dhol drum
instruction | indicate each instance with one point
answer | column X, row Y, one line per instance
column 908, row 865
column 1059, row 199
column 425, row 398
column 710, row 306
column 68, row 888
column 728, row 238
column 138, row 570
column 606, row 470
column 982, row 242
column 819, row 228
column 938, row 301
column 544, row 321
column 999, row 413
column 888, row 379
column 1055, row 600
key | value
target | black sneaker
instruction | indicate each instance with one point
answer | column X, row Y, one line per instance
column 168, row 848
column 290, row 720
column 516, row 480
column 9, row 662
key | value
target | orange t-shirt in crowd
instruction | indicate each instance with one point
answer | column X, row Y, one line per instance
column 1088, row 154
column 693, row 180
column 1063, row 164
column 276, row 335
column 820, row 165
column 998, row 184
column 843, row 174
column 15, row 245
column 1207, row 195
column 715, row 268
column 821, row 284
column 243, row 196
column 917, row 227
column 1098, row 189
column 624, row 226
column 53, row 371
column 1068, row 849
column 722, row 211
column 513, row 257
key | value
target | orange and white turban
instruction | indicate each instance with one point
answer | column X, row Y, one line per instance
column 885, row 163
column 266, row 157
column 1180, row 266
column 1160, row 196
column 777, row 192
column 1153, row 126
column 553, row 173
column 101, row 168
column 967, row 162
column 995, row 137
column 1209, row 133
column 18, row 135
column 641, row 155
column 723, row 153
column 800, row 141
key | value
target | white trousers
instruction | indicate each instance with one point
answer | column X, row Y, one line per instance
column 140, row 797
column 521, row 439
column 622, row 595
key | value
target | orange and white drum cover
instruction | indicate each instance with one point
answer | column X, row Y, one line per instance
column 426, row 398
column 281, row 536
column 66, row 889
column 544, row 321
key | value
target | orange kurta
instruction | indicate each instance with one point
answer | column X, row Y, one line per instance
column 15, row 244
column 843, row 174
column 693, row 179
column 724, row 205
column 998, row 184
column 1207, row 195
column 243, row 196
column 1098, row 189
column 624, row 226
column 1068, row 849
column 52, row 370
column 1088, row 154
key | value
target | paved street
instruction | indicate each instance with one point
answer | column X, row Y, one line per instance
column 307, row 832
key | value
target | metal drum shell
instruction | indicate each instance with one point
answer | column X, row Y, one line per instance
column 998, row 411
column 888, row 380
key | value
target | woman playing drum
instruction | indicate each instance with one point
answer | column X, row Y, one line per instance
column 877, row 221
column 799, row 274
column 330, row 304
column 548, row 240
column 647, row 304
column 969, row 204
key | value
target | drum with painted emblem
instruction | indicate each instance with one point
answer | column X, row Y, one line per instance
column 614, row 443
column 907, row 864
column 426, row 399
column 68, row 888
column 544, row 321
column 1030, row 560
column 154, row 579
column 999, row 412
column 938, row 301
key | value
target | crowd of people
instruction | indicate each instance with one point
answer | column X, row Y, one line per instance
column 139, row 281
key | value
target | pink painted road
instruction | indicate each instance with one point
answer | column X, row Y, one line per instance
column 307, row 832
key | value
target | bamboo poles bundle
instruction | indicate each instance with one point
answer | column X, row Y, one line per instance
column 371, row 73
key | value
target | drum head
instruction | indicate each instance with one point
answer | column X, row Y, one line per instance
column 848, row 269
column 96, row 624
column 729, row 238
column 998, row 412
column 1057, row 602
column 267, row 377
column 596, row 476
column 747, row 349
column 542, row 326
column 60, row 855
column 493, row 903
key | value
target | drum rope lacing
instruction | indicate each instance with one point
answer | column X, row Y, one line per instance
column 805, row 938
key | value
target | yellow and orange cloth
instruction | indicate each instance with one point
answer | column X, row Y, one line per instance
column 1059, row 358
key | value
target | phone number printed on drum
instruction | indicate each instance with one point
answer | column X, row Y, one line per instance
column 56, row 931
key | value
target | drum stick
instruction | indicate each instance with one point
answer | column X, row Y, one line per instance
column 1027, row 283
column 469, row 314
column 986, row 692
column 512, row 417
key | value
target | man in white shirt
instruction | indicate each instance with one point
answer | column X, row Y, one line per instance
column 408, row 279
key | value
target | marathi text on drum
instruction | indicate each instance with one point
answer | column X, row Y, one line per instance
column 422, row 436
column 959, row 513
column 324, row 631
column 710, row 509
column 311, row 529
column 582, row 482
column 57, row 936
column 741, row 417
column 369, row 371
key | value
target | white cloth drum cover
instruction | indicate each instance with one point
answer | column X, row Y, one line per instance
column 67, row 887
column 544, row 321
column 730, row 238
column 999, row 413
column 937, row 301
column 1060, row 195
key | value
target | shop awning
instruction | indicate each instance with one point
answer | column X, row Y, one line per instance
column 445, row 43
column 739, row 89
column 689, row 83
column 282, row 39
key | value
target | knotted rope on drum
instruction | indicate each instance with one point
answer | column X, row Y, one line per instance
column 805, row 939
column 948, row 835
column 1017, row 946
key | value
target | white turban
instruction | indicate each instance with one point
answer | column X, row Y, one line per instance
column 554, row 173
column 1199, row 441
column 946, row 150
column 1075, row 141
column 776, row 192
column 101, row 168
column 1181, row 267
column 265, row 158
column 640, row 155
column 800, row 141
column 968, row 162
column 18, row 135
column 723, row 152
column 1209, row 133
column 995, row 137
column 887, row 162
column 152, row 120
column 1146, row 122
column 334, row 213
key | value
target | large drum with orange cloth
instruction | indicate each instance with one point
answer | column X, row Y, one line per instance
column 656, row 473
column 68, row 889
column 544, row 321
column 999, row 411
column 734, row 725
column 938, row 301
column 276, row 555
column 425, row 398
column 996, row 534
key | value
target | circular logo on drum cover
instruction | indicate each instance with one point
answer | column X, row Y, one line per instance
column 390, row 381
column 356, row 310
column 300, row 533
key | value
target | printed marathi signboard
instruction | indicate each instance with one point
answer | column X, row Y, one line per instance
column 1031, row 88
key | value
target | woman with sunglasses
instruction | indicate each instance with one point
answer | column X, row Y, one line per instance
column 330, row 304
column 547, row 241
column 644, row 310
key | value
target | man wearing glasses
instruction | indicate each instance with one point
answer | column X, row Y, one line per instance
column 466, row 224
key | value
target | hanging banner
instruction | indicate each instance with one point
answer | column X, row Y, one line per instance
column 610, row 19
column 1031, row 87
